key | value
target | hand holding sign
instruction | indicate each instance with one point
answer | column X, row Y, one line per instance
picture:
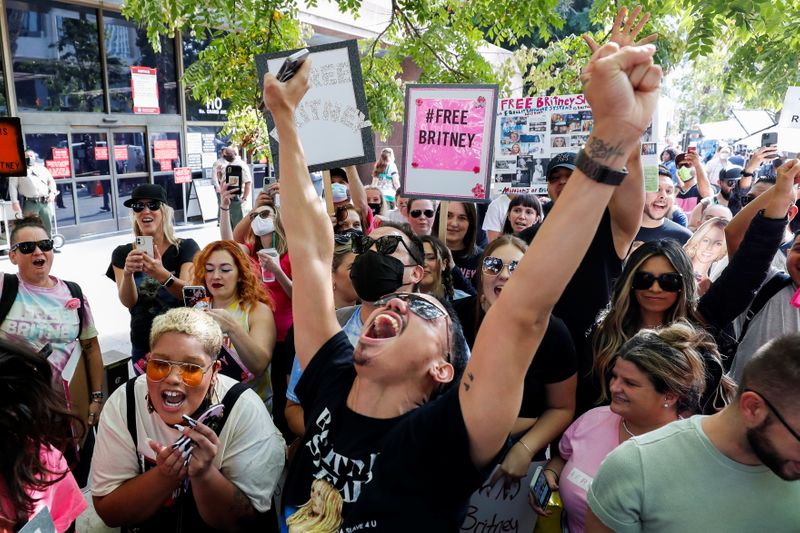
column 283, row 98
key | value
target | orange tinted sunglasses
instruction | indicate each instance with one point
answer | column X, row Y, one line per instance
column 191, row 374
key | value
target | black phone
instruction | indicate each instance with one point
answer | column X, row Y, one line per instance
column 193, row 294
column 769, row 139
column 233, row 177
column 292, row 65
column 540, row 489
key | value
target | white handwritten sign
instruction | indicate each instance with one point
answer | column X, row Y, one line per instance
column 502, row 506
column 332, row 117
column 789, row 124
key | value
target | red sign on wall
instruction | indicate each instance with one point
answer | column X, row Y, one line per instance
column 60, row 154
column 121, row 152
column 101, row 153
column 166, row 164
column 59, row 168
column 183, row 175
column 165, row 149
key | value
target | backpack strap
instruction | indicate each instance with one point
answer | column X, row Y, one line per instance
column 230, row 400
column 76, row 292
column 130, row 411
column 773, row 286
column 10, row 289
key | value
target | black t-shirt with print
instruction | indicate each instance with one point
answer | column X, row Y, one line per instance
column 409, row 473
column 153, row 299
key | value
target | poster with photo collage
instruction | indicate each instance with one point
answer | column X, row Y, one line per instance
column 531, row 130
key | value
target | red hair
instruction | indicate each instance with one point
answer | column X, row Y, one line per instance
column 249, row 288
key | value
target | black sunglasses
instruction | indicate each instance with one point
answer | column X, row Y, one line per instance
column 494, row 265
column 152, row 205
column 266, row 213
column 730, row 183
column 669, row 281
column 385, row 245
column 776, row 413
column 28, row 247
column 421, row 307
column 416, row 213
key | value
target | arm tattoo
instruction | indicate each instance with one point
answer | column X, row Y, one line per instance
column 471, row 378
column 599, row 150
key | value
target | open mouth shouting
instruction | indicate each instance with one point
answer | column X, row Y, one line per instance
column 384, row 326
column 39, row 262
column 172, row 400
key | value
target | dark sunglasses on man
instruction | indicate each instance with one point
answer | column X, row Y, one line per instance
column 669, row 281
column 385, row 245
column 28, row 247
column 416, row 213
column 152, row 205
column 421, row 307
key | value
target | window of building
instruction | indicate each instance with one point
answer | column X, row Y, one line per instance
column 215, row 109
column 56, row 56
column 127, row 46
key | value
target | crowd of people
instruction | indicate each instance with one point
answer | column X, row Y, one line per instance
column 348, row 370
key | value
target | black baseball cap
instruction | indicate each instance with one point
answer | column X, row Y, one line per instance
column 731, row 173
column 563, row 160
column 148, row 191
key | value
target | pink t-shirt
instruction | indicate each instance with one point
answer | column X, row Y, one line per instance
column 584, row 446
column 63, row 498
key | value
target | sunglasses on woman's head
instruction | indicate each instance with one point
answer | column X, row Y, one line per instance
column 152, row 205
column 385, row 245
column 159, row 369
column 492, row 266
column 669, row 281
column 416, row 213
column 28, row 247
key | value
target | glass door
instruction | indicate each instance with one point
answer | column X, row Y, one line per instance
column 107, row 165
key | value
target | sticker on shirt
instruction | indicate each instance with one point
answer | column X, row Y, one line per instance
column 581, row 479
column 320, row 514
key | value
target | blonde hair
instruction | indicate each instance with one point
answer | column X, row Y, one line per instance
column 326, row 522
column 380, row 195
column 387, row 156
column 694, row 242
column 167, row 225
column 192, row 322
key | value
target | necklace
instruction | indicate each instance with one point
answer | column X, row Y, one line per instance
column 625, row 427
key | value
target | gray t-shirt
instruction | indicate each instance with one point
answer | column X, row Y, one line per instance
column 674, row 480
column 778, row 317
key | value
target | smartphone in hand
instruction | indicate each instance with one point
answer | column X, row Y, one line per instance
column 193, row 294
column 770, row 139
column 540, row 489
column 233, row 177
column 292, row 65
column 145, row 242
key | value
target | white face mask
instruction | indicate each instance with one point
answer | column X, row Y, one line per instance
column 262, row 226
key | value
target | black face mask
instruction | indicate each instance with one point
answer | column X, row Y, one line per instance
column 30, row 161
column 375, row 208
column 375, row 275
column 229, row 158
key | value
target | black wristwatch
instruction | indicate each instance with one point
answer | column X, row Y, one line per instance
column 747, row 174
column 597, row 172
column 170, row 280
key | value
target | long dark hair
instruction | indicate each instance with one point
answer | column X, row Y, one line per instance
column 33, row 417
column 622, row 319
column 472, row 228
column 445, row 275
